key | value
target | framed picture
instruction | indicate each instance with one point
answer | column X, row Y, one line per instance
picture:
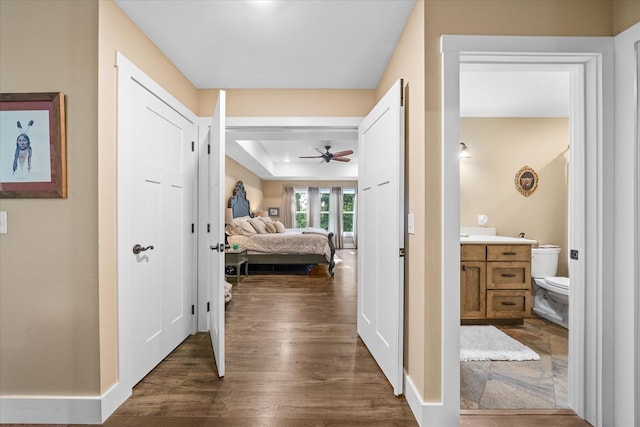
column 32, row 146
column 274, row 211
column 526, row 181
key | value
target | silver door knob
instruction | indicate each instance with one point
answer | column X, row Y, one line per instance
column 139, row 248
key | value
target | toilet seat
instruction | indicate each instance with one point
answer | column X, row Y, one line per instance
column 558, row 285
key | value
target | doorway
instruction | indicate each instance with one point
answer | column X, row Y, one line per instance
column 514, row 117
column 582, row 58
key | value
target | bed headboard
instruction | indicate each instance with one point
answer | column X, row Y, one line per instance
column 238, row 203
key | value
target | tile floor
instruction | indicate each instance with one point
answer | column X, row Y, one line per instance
column 540, row 384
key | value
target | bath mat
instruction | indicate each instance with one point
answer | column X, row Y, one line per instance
column 489, row 343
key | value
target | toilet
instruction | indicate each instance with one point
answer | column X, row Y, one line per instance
column 551, row 299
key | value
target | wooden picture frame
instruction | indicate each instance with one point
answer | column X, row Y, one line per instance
column 526, row 181
column 32, row 146
column 274, row 212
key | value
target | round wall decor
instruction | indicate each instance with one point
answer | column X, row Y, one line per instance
column 526, row 181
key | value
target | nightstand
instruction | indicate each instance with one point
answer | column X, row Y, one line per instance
column 236, row 258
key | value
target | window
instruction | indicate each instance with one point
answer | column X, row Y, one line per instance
column 301, row 208
column 324, row 208
column 348, row 210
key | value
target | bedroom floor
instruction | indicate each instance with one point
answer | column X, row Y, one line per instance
column 536, row 384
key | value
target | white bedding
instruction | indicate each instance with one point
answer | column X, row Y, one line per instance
column 292, row 241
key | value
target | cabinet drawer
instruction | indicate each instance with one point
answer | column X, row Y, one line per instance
column 509, row 253
column 473, row 252
column 509, row 275
column 508, row 304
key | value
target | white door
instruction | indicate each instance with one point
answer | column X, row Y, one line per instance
column 381, row 234
column 627, row 227
column 155, row 185
column 216, row 246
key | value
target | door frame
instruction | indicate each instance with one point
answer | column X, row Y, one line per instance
column 593, row 58
column 127, row 70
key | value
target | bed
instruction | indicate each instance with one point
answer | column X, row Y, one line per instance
column 310, row 246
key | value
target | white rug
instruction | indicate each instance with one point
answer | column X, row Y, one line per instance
column 489, row 343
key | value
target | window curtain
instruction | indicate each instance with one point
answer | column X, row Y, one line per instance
column 288, row 207
column 335, row 216
column 313, row 215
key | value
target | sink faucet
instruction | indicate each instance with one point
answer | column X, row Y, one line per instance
column 521, row 235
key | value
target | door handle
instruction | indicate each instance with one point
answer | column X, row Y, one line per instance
column 219, row 247
column 139, row 248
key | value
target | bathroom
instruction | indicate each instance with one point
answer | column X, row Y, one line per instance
column 499, row 147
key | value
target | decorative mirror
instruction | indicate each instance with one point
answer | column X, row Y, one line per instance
column 526, row 181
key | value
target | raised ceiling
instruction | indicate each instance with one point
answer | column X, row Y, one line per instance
column 311, row 44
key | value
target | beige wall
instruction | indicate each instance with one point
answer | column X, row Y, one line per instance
column 625, row 14
column 49, row 257
column 499, row 147
column 407, row 63
column 289, row 102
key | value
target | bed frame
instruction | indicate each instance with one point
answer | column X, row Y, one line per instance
column 240, row 206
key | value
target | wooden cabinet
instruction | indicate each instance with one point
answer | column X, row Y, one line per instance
column 495, row 282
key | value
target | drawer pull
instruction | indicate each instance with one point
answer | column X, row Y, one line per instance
column 509, row 253
column 508, row 303
column 508, row 275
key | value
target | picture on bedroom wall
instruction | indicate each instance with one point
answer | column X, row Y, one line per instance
column 275, row 212
column 32, row 145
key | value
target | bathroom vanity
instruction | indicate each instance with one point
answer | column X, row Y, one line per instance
column 495, row 279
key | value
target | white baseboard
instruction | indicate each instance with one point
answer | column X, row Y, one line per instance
column 61, row 409
column 429, row 414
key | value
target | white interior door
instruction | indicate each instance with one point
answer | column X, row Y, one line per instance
column 155, row 215
column 627, row 227
column 380, row 302
column 216, row 246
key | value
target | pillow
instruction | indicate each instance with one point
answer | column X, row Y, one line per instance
column 237, row 220
column 270, row 227
column 264, row 219
column 245, row 227
column 279, row 226
column 258, row 225
column 231, row 229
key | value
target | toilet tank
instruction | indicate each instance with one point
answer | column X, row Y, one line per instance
column 544, row 261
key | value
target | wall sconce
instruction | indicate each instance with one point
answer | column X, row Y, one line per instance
column 464, row 151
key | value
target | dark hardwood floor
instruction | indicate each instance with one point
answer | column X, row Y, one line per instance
column 293, row 359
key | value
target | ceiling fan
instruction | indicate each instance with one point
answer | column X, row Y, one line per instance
column 328, row 156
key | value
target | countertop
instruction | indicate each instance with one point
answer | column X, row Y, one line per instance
column 488, row 239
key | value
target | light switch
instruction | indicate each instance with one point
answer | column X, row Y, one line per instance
column 3, row 222
column 411, row 229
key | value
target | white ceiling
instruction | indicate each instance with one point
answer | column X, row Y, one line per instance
column 315, row 44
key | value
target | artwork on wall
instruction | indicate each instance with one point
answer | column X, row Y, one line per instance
column 526, row 181
column 274, row 212
column 32, row 146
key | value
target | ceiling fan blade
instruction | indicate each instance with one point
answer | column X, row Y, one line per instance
column 320, row 151
column 341, row 159
column 310, row 157
column 342, row 153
